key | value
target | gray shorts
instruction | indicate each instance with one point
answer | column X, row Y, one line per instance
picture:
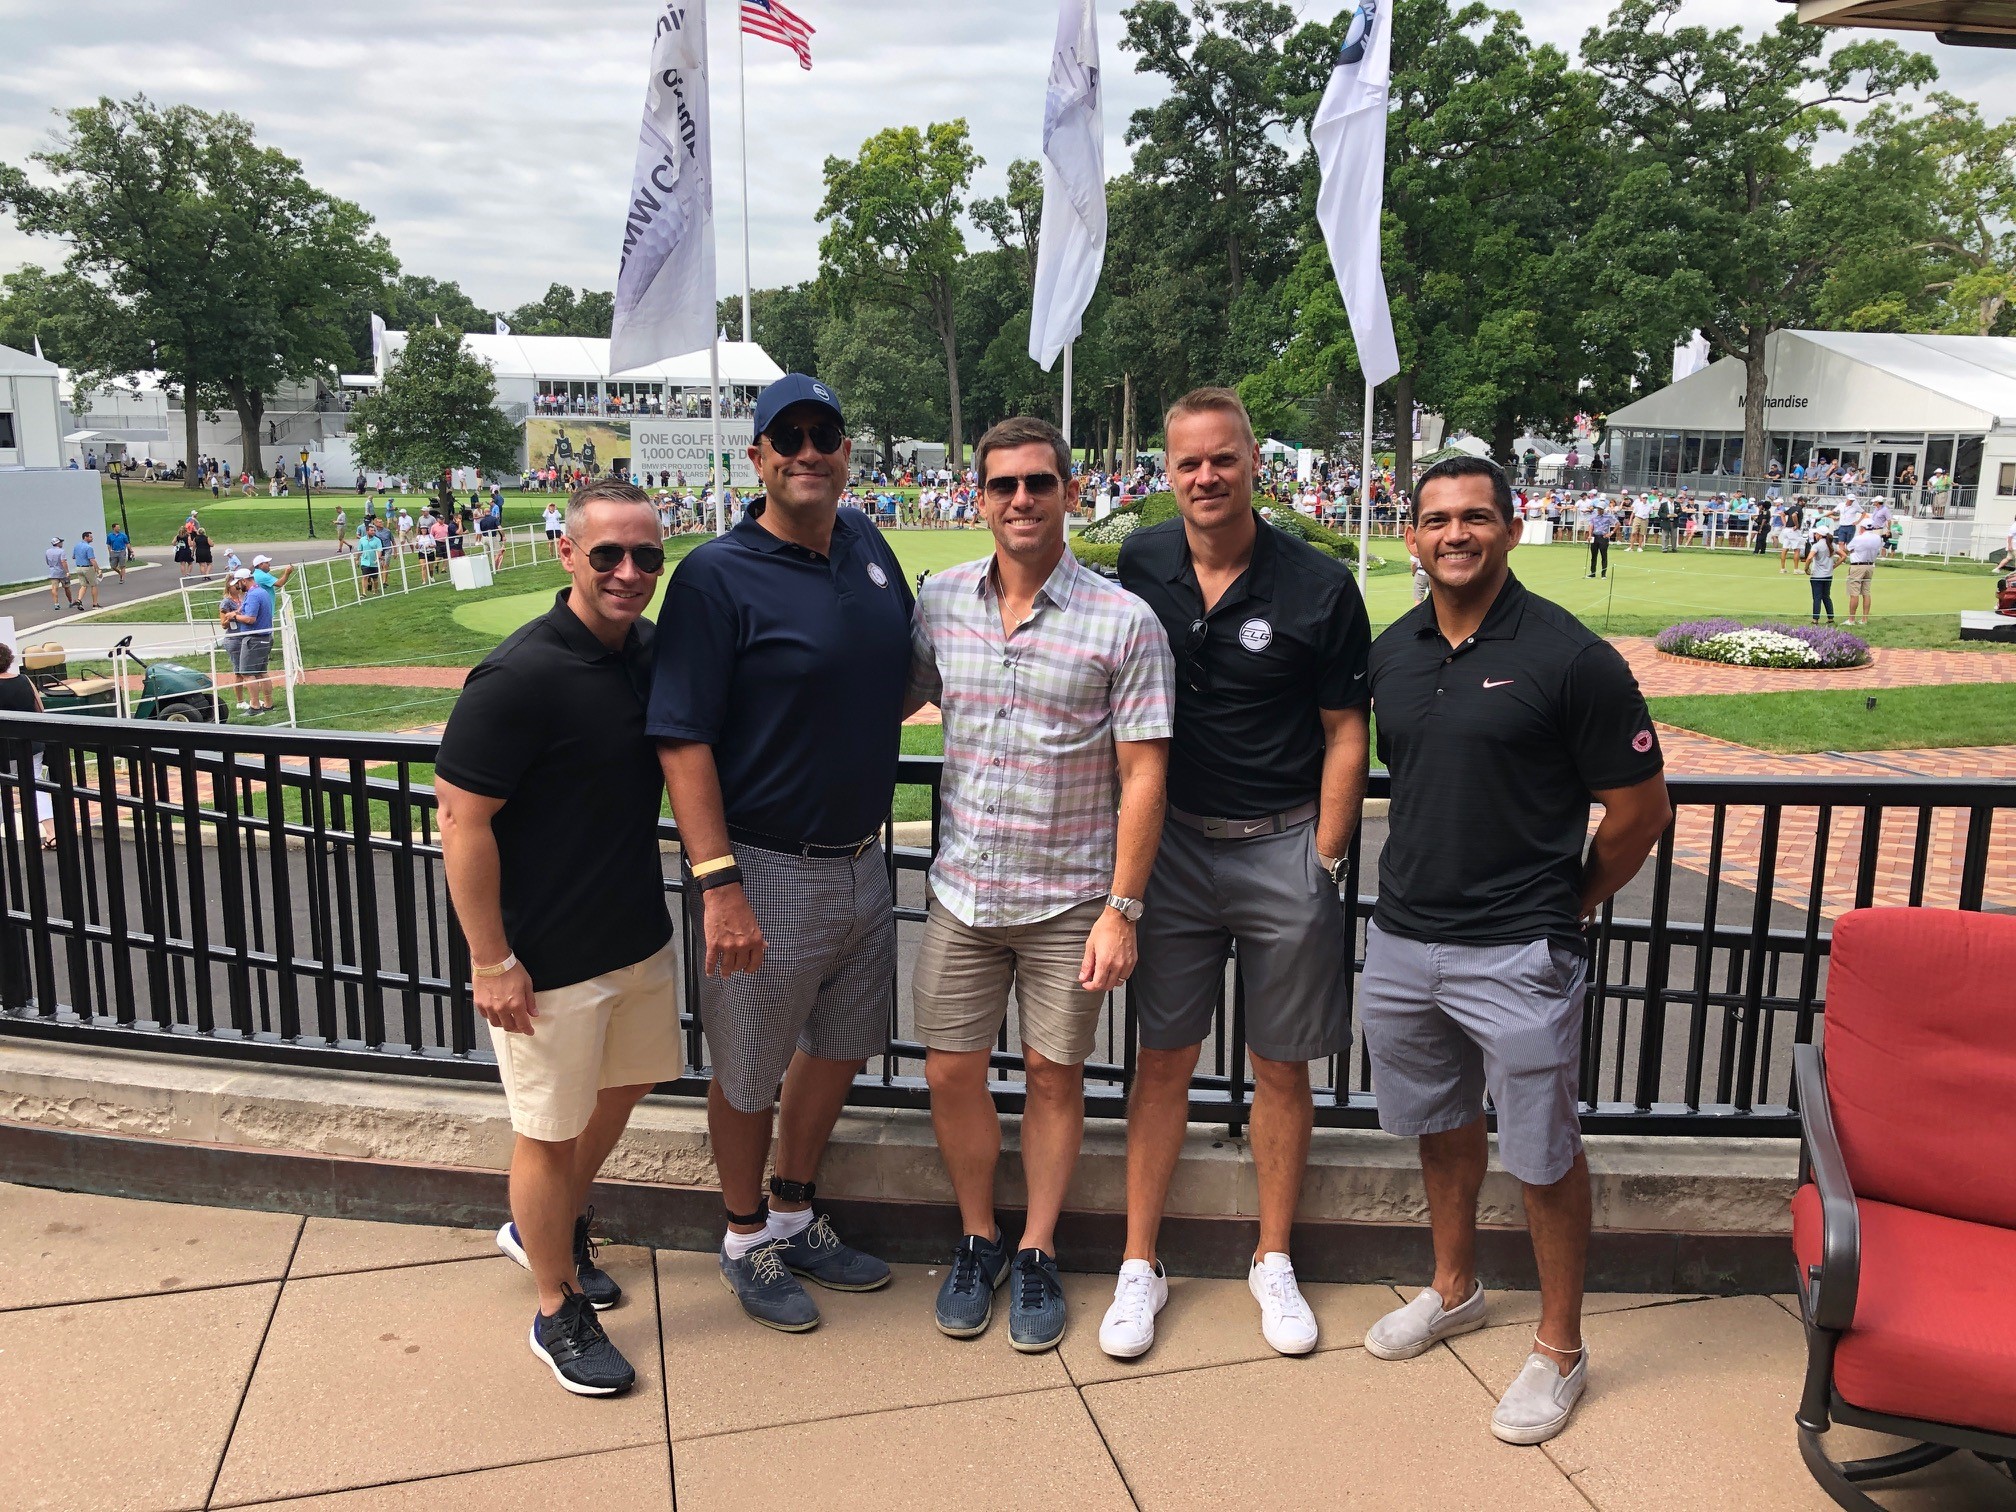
column 1272, row 896
column 828, row 978
column 250, row 653
column 1445, row 1023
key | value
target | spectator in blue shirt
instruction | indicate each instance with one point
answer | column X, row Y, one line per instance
column 119, row 546
column 251, row 644
column 84, row 560
column 368, row 547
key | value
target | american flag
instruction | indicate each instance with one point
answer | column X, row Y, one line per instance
column 772, row 22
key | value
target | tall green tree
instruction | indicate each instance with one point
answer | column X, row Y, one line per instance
column 436, row 410
column 886, row 372
column 893, row 237
column 1015, row 219
column 562, row 311
column 784, row 322
column 74, row 320
column 1720, row 218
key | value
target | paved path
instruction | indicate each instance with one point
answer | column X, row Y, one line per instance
column 158, row 1355
column 30, row 606
column 1893, row 667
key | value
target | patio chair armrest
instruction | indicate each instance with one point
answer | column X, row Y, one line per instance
column 1831, row 1293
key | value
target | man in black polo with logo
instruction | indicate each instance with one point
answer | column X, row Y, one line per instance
column 1501, row 718
column 783, row 655
column 1266, row 780
column 549, row 831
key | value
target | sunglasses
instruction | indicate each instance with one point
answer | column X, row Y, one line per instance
column 1195, row 672
column 1041, row 485
column 788, row 440
column 609, row 556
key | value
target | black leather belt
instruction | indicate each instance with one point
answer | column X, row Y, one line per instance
column 805, row 852
column 1245, row 829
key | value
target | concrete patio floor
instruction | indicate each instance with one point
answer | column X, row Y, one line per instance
column 155, row 1356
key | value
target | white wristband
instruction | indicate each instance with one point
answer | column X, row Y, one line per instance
column 494, row 971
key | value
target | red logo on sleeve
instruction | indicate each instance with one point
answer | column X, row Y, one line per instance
column 1642, row 742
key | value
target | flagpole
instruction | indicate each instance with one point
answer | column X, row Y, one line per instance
column 742, row 74
column 1365, row 495
column 1067, row 393
column 714, row 407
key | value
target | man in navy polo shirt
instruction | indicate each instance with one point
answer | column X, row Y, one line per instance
column 1501, row 717
column 777, row 702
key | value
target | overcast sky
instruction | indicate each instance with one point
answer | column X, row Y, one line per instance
column 493, row 141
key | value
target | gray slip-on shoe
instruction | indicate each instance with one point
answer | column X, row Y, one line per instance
column 1422, row 1324
column 1540, row 1400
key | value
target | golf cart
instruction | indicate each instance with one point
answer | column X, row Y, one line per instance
column 169, row 691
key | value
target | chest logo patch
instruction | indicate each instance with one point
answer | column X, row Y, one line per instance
column 1256, row 635
column 877, row 576
column 1503, row 683
column 1642, row 742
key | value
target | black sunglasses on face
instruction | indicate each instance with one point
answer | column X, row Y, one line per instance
column 1195, row 672
column 609, row 556
column 1041, row 485
column 788, row 440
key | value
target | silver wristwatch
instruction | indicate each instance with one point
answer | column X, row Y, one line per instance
column 1129, row 909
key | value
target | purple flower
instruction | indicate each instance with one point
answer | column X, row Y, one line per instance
column 1676, row 638
column 1835, row 648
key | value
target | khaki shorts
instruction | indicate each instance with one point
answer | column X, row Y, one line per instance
column 620, row 1029
column 961, row 979
column 1859, row 575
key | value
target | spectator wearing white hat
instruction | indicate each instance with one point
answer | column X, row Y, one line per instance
column 250, row 640
column 264, row 575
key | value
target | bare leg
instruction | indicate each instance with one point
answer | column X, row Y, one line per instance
column 968, row 1127
column 815, row 1090
column 1158, row 1115
column 613, row 1106
column 1452, row 1169
column 1283, row 1113
column 1053, row 1127
column 1558, row 1216
column 542, row 1206
column 741, row 1144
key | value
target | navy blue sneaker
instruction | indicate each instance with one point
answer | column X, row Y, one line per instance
column 578, row 1352
column 966, row 1296
column 817, row 1253
column 1035, row 1303
column 594, row 1283
column 767, row 1290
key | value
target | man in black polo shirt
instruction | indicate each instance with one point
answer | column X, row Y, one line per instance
column 1501, row 717
column 549, row 830
column 1266, row 780
column 777, row 703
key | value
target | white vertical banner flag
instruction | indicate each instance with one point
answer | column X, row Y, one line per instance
column 1349, row 136
column 1071, row 247
column 665, row 282
column 503, row 326
column 378, row 344
column 1690, row 357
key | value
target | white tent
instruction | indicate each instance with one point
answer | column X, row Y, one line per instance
column 744, row 364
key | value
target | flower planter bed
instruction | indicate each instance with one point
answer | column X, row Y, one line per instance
column 1785, row 648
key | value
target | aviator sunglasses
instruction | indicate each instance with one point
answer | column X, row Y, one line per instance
column 787, row 440
column 609, row 556
column 1041, row 485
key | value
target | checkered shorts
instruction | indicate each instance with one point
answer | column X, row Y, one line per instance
column 828, row 978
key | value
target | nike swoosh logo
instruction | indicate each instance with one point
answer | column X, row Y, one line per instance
column 1505, row 684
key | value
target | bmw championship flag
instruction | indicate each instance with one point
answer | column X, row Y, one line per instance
column 1349, row 135
column 1071, row 248
column 665, row 282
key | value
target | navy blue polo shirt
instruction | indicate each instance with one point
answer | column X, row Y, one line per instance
column 792, row 666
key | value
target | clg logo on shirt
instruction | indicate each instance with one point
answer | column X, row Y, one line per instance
column 1359, row 37
column 1256, row 635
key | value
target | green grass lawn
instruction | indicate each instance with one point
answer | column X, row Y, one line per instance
column 1967, row 714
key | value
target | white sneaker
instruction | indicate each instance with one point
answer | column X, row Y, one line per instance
column 1420, row 1325
column 1540, row 1400
column 1285, row 1319
column 1129, row 1326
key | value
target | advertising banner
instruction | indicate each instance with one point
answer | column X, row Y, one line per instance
column 637, row 447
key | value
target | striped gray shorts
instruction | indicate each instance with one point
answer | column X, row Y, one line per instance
column 828, row 976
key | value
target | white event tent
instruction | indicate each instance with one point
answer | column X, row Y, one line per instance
column 570, row 374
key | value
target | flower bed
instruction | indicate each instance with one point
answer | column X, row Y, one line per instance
column 1734, row 644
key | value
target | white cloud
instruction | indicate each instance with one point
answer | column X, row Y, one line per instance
column 493, row 141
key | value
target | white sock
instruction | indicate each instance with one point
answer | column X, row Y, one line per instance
column 788, row 1225
column 735, row 1246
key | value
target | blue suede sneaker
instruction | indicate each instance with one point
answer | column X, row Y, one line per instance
column 966, row 1296
column 767, row 1290
column 817, row 1253
column 1035, row 1303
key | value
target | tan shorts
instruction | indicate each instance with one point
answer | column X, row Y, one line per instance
column 1859, row 574
column 620, row 1029
column 961, row 979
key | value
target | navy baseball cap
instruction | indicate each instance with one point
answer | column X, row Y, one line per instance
column 794, row 388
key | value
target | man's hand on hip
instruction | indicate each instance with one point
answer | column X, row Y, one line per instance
column 734, row 939
column 1110, row 953
column 506, row 1001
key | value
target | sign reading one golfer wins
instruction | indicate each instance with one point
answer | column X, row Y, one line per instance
column 626, row 447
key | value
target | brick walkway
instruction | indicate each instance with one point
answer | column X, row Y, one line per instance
column 1893, row 667
column 388, row 677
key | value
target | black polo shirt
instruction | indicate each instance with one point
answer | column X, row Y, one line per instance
column 792, row 666
column 1495, row 747
column 1289, row 638
column 552, row 722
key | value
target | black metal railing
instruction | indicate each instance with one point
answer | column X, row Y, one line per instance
column 278, row 896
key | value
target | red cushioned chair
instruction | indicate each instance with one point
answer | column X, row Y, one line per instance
column 1905, row 1220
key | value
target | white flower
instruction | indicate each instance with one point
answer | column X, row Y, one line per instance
column 1757, row 648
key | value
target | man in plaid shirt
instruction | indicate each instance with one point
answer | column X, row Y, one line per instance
column 1058, row 694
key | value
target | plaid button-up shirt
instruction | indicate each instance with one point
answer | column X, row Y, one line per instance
column 1031, row 792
